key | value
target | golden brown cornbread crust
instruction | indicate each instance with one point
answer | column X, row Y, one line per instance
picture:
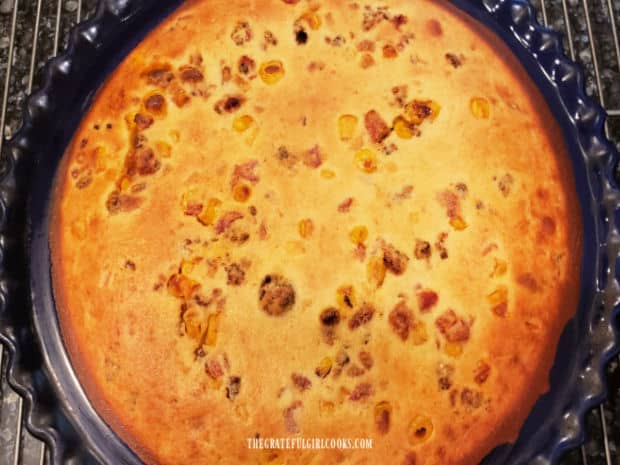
column 461, row 243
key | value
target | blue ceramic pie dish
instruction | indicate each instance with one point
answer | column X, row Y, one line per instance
column 57, row 409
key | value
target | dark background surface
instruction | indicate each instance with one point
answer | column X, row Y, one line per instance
column 590, row 29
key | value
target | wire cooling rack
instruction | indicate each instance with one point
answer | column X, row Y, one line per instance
column 32, row 31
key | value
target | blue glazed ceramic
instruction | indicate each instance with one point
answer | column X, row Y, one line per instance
column 57, row 410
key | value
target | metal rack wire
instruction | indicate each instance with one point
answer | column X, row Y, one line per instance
column 32, row 31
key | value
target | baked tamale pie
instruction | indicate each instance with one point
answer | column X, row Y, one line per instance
column 316, row 219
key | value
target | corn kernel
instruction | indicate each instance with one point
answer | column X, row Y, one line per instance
column 179, row 95
column 324, row 367
column 382, row 413
column 326, row 407
column 419, row 430
column 130, row 120
column 499, row 301
column 311, row 19
column 367, row 61
column 186, row 268
column 181, row 286
column 417, row 111
column 101, row 156
column 480, row 107
column 419, row 333
column 327, row 174
column 163, row 149
column 453, row 349
column 376, row 271
column 212, row 265
column 271, row 71
column 209, row 214
column 499, row 268
column 305, row 228
column 194, row 326
column 242, row 123
column 366, row 160
column 125, row 183
column 403, row 128
column 498, row 296
column 345, row 296
column 389, row 51
column 359, row 234
column 212, row 328
column 346, row 126
column 242, row 192
column 241, row 83
column 458, row 223
column 435, row 110
column 189, row 197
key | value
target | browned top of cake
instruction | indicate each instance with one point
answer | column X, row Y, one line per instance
column 316, row 219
